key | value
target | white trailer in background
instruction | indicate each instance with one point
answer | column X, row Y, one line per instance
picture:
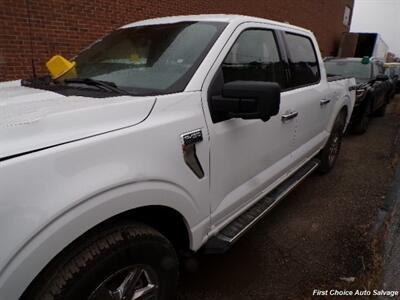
column 357, row 44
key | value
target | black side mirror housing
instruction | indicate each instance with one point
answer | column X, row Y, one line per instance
column 248, row 100
column 382, row 77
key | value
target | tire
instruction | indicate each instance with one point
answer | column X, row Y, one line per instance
column 361, row 125
column 381, row 111
column 124, row 259
column 330, row 152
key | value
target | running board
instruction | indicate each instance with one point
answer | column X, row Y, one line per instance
column 234, row 230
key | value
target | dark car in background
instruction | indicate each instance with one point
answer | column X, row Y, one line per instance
column 392, row 70
column 373, row 90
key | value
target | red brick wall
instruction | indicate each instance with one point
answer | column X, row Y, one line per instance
column 65, row 27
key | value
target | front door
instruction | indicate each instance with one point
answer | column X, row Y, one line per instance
column 381, row 87
column 247, row 156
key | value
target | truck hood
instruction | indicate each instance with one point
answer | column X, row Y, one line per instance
column 32, row 119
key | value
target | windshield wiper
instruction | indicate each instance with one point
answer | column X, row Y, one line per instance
column 105, row 85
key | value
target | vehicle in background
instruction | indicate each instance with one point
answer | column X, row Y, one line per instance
column 355, row 44
column 372, row 91
column 177, row 134
column 392, row 70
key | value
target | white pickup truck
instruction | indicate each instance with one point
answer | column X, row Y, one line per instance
column 177, row 134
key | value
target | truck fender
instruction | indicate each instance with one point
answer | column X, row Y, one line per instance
column 40, row 249
column 343, row 103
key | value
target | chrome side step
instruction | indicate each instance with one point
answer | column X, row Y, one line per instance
column 234, row 230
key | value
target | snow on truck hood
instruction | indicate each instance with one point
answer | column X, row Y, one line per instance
column 32, row 119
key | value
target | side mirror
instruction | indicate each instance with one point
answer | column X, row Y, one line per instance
column 382, row 77
column 248, row 100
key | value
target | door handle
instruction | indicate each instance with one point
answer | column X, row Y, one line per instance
column 324, row 101
column 289, row 116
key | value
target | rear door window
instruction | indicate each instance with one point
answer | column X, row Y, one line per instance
column 303, row 61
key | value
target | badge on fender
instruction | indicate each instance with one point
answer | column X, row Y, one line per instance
column 192, row 137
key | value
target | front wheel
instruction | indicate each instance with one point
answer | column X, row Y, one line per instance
column 330, row 152
column 130, row 261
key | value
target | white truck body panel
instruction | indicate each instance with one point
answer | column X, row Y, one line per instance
column 120, row 154
column 32, row 118
column 381, row 48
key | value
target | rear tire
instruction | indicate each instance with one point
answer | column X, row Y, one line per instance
column 119, row 262
column 330, row 152
column 381, row 111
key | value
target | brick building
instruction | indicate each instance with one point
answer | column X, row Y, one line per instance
column 65, row 27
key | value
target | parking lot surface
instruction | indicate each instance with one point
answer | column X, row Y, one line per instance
column 321, row 236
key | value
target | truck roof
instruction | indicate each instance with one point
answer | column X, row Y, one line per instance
column 351, row 59
column 227, row 18
column 357, row 59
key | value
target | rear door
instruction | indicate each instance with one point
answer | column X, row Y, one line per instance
column 309, row 94
column 247, row 156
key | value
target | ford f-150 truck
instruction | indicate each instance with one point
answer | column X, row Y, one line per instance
column 176, row 134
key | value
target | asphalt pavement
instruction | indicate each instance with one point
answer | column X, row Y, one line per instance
column 328, row 233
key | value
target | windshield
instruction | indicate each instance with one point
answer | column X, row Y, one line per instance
column 348, row 68
column 148, row 60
